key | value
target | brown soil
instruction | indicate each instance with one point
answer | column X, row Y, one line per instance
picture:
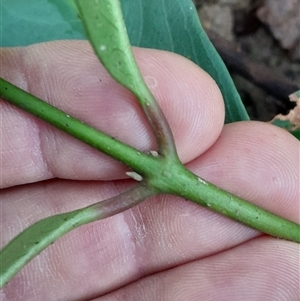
column 242, row 22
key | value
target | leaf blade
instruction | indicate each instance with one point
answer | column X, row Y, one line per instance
column 40, row 20
column 107, row 33
column 178, row 29
column 33, row 240
column 171, row 25
column 106, row 30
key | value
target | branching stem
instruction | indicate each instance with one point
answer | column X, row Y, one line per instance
column 160, row 172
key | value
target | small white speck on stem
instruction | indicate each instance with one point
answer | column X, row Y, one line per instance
column 134, row 175
column 202, row 181
column 153, row 153
column 102, row 47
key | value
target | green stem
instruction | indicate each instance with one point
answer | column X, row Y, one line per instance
column 76, row 128
column 178, row 180
column 163, row 175
column 125, row 200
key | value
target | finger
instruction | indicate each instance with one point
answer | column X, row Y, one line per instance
column 159, row 234
column 69, row 76
column 260, row 270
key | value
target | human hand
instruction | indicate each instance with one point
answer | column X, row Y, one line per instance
column 165, row 248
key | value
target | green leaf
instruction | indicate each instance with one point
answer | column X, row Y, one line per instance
column 37, row 237
column 106, row 30
column 174, row 25
column 28, row 22
column 171, row 25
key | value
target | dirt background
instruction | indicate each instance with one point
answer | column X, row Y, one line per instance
column 268, row 32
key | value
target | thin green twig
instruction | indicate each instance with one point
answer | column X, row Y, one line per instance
column 76, row 128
